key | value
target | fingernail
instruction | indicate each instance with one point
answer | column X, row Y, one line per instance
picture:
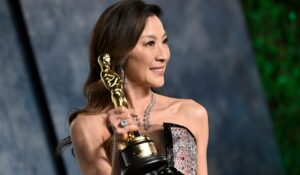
column 122, row 109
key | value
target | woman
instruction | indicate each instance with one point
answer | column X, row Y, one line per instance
column 133, row 35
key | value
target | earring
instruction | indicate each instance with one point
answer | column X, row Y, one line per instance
column 123, row 78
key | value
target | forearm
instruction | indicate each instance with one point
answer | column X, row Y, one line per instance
column 116, row 160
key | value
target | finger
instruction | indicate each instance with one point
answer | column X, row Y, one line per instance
column 120, row 122
column 132, row 127
column 117, row 111
column 124, row 126
column 122, row 134
column 120, row 110
column 125, row 122
column 127, row 129
column 113, row 117
column 121, row 137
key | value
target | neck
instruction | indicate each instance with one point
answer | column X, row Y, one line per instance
column 138, row 98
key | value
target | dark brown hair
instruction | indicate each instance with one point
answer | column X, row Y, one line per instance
column 116, row 32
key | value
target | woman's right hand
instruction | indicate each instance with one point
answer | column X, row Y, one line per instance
column 121, row 122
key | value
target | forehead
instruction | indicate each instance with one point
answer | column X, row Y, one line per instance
column 153, row 26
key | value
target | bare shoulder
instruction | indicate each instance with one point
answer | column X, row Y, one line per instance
column 183, row 107
column 188, row 113
column 191, row 108
column 89, row 127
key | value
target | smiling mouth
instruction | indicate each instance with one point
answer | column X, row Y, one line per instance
column 159, row 70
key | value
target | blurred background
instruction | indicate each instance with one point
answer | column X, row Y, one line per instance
column 240, row 59
column 274, row 27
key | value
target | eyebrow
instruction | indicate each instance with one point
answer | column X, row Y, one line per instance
column 153, row 36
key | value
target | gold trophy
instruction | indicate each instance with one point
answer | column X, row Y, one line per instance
column 138, row 152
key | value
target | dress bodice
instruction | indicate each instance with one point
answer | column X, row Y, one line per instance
column 177, row 143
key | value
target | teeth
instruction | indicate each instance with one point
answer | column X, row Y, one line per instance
column 157, row 69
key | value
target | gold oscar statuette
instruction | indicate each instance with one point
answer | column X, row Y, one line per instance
column 138, row 152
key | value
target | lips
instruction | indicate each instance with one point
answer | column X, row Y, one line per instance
column 159, row 70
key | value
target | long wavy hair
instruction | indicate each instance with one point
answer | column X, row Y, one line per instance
column 116, row 32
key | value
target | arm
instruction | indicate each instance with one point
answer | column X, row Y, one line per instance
column 202, row 142
column 88, row 134
column 198, row 123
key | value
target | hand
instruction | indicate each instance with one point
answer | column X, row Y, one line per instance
column 121, row 122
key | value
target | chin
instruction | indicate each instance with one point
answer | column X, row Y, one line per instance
column 158, row 84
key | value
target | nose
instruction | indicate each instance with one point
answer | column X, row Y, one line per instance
column 163, row 53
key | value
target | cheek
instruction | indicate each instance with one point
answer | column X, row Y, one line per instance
column 135, row 70
column 139, row 62
column 136, row 65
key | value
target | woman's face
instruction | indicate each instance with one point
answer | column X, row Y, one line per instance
column 146, row 63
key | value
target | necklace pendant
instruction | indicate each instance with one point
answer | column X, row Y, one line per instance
column 147, row 112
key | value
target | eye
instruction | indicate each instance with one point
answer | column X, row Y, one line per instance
column 166, row 40
column 150, row 43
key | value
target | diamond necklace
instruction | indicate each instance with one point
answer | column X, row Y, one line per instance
column 147, row 113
